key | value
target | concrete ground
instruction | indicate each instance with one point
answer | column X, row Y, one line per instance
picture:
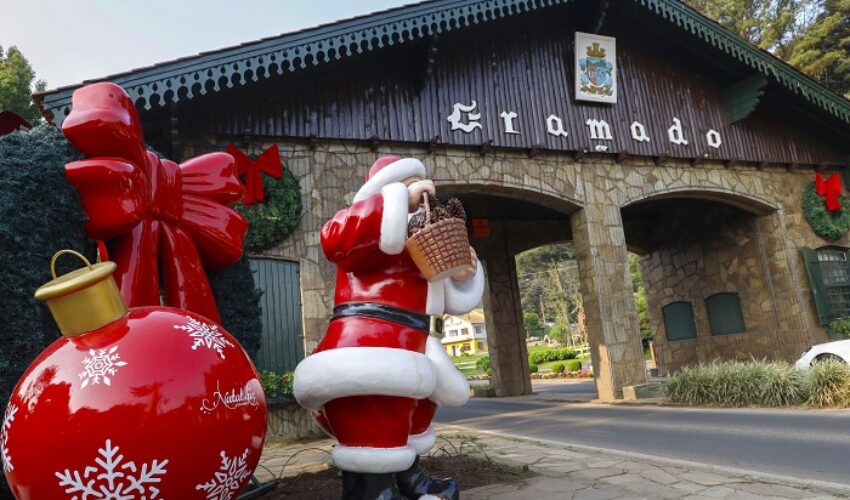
column 571, row 472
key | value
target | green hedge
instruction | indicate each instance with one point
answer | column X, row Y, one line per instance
column 548, row 354
column 761, row 383
column 573, row 365
column 558, row 368
column 483, row 363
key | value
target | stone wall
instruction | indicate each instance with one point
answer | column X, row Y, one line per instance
column 592, row 189
column 288, row 420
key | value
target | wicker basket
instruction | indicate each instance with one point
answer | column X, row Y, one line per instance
column 440, row 249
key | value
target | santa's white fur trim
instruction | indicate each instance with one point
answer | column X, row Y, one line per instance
column 451, row 388
column 394, row 218
column 464, row 296
column 435, row 303
column 362, row 371
column 422, row 443
column 396, row 171
column 373, row 460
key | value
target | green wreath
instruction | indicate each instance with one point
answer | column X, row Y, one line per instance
column 829, row 226
column 272, row 221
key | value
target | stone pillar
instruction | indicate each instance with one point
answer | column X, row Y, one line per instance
column 503, row 316
column 609, row 304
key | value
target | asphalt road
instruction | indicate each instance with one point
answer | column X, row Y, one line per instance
column 807, row 444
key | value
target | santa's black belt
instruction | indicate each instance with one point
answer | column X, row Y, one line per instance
column 421, row 322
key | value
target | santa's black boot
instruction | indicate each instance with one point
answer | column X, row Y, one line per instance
column 413, row 483
column 362, row 486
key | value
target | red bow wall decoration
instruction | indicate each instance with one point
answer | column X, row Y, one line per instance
column 157, row 218
column 829, row 190
column 267, row 163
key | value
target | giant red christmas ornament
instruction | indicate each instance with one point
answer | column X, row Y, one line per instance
column 158, row 218
column 153, row 402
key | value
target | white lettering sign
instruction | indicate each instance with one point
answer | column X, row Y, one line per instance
column 713, row 139
column 230, row 400
column 639, row 132
column 599, row 129
column 508, row 119
column 675, row 133
column 456, row 119
column 555, row 126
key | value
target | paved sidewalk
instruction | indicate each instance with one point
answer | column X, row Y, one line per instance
column 568, row 472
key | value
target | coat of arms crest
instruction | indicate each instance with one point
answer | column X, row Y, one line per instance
column 595, row 69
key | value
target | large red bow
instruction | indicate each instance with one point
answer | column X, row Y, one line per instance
column 267, row 163
column 829, row 190
column 149, row 209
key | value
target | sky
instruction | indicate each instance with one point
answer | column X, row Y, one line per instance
column 68, row 41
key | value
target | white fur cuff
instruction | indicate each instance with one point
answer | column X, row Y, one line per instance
column 422, row 443
column 451, row 388
column 396, row 171
column 362, row 371
column 373, row 460
column 394, row 218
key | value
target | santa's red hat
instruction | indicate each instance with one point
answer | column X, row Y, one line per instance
column 387, row 170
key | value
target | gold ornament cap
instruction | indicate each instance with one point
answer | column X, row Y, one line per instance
column 82, row 300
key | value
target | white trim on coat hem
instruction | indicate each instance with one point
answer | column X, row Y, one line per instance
column 373, row 460
column 422, row 443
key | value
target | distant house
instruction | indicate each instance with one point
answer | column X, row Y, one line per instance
column 465, row 334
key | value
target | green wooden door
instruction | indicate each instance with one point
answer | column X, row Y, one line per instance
column 283, row 341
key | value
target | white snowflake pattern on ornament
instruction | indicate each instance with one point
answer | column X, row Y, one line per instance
column 4, row 436
column 113, row 479
column 226, row 479
column 100, row 366
column 205, row 336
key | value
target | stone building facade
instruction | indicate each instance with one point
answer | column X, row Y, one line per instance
column 698, row 167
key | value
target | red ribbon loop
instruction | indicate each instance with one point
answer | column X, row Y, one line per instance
column 829, row 190
column 267, row 163
column 152, row 212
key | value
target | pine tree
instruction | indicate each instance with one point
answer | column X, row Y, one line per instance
column 17, row 82
column 823, row 51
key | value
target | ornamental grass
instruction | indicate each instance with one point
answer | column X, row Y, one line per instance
column 755, row 383
column 829, row 384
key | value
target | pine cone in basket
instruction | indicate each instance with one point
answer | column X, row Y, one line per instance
column 453, row 209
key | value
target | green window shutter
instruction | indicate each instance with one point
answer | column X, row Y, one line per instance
column 679, row 321
column 724, row 314
column 810, row 258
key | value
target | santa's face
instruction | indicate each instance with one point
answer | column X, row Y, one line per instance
column 411, row 180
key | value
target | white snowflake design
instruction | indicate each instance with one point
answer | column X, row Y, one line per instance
column 205, row 336
column 225, row 481
column 4, row 437
column 100, row 366
column 118, row 481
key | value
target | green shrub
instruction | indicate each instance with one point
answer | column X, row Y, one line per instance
column 548, row 354
column 573, row 365
column 840, row 329
column 532, row 368
column 489, row 372
column 277, row 385
column 829, row 384
column 238, row 302
column 483, row 363
column 558, row 368
column 737, row 383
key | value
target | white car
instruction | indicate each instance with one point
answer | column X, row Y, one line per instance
column 838, row 350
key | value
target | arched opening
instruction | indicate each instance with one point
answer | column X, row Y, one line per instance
column 705, row 265
column 505, row 222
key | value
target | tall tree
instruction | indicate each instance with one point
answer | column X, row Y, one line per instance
column 17, row 83
column 823, row 51
column 772, row 25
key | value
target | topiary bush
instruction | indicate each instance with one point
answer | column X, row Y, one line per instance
column 239, row 304
column 573, row 365
column 40, row 214
column 548, row 354
column 558, row 368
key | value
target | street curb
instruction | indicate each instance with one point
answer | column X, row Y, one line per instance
column 750, row 474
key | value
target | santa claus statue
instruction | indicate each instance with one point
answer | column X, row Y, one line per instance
column 377, row 377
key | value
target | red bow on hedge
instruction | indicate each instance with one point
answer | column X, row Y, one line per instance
column 158, row 218
column 267, row 163
column 829, row 190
